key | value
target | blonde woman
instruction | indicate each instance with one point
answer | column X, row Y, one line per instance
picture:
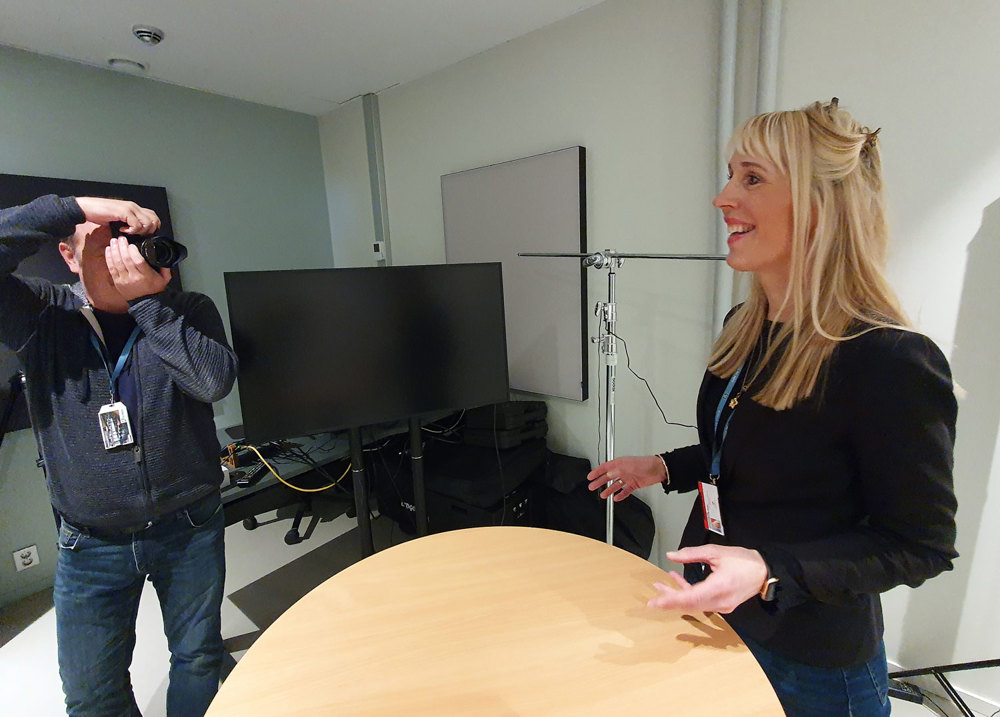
column 826, row 424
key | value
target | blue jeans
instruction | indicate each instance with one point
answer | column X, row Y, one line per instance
column 861, row 690
column 98, row 582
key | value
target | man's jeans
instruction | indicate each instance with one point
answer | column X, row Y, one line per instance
column 98, row 582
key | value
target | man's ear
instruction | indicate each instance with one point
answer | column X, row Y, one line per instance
column 69, row 256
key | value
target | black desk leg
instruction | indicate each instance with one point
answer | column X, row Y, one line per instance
column 417, row 469
column 361, row 493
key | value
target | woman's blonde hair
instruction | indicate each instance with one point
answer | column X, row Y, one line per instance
column 837, row 288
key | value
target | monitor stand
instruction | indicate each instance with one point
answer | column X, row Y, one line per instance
column 360, row 481
column 361, row 492
column 417, row 470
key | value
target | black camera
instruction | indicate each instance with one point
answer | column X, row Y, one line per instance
column 159, row 251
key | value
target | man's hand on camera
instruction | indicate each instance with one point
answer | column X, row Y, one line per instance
column 137, row 220
column 132, row 276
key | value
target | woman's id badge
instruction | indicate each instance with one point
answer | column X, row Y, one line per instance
column 709, row 493
column 115, row 427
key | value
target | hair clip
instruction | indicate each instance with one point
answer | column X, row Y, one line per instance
column 872, row 139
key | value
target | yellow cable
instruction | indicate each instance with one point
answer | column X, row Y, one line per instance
column 294, row 487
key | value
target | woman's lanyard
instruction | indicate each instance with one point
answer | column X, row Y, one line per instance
column 709, row 492
column 718, row 441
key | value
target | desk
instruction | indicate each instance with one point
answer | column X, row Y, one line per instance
column 497, row 621
column 269, row 494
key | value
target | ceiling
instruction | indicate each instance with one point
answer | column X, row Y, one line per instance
column 303, row 55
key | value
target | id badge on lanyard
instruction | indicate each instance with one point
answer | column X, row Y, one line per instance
column 116, row 430
column 112, row 418
column 710, row 507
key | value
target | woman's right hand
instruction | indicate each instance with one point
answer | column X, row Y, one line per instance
column 620, row 477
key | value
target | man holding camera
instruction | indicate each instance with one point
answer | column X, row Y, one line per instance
column 121, row 348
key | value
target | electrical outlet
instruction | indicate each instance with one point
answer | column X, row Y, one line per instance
column 25, row 558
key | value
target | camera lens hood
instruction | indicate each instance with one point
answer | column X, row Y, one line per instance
column 160, row 251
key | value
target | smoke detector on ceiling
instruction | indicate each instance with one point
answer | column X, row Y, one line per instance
column 147, row 34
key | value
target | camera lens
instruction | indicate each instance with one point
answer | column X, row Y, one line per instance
column 161, row 251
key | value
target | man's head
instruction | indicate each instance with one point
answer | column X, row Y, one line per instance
column 84, row 254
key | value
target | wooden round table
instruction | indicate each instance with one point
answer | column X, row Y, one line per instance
column 495, row 621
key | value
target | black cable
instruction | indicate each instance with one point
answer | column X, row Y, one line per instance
column 331, row 438
column 386, row 442
column 392, row 474
column 433, row 427
column 628, row 365
column 931, row 700
column 310, row 461
column 289, row 453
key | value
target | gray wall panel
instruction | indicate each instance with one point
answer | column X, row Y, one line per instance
column 534, row 204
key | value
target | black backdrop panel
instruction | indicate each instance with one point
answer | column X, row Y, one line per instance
column 18, row 189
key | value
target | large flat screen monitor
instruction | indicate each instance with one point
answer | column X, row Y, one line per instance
column 328, row 349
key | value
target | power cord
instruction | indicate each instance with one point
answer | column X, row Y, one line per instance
column 294, row 453
column 431, row 427
column 628, row 365
column 936, row 705
column 295, row 487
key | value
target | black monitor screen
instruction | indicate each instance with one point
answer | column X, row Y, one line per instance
column 327, row 349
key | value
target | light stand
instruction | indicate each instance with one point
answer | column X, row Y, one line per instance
column 608, row 313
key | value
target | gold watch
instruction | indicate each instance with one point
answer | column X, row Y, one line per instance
column 769, row 589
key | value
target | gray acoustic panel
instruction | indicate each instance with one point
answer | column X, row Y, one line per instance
column 534, row 204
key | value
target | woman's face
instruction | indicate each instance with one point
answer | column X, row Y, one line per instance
column 757, row 206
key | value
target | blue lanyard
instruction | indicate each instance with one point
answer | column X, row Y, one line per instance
column 716, row 442
column 113, row 375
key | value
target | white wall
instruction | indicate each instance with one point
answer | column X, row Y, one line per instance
column 926, row 72
column 348, row 191
column 632, row 81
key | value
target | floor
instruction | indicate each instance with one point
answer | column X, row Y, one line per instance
column 29, row 680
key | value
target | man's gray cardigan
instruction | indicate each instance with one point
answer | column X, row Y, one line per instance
column 181, row 364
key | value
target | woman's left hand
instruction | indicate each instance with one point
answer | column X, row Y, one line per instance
column 737, row 575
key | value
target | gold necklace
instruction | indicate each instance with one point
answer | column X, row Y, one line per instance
column 748, row 366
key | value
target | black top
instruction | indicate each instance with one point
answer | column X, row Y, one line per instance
column 847, row 494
